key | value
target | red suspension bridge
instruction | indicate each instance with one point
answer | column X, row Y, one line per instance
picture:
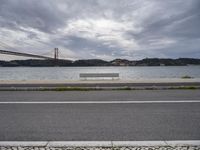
column 55, row 57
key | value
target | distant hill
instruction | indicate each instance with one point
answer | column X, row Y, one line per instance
column 99, row 62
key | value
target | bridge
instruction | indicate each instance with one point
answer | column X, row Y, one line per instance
column 6, row 52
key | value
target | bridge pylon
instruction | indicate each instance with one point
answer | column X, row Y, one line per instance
column 56, row 53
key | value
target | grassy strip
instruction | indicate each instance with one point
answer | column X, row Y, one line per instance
column 71, row 89
column 60, row 89
column 186, row 88
column 186, row 77
column 123, row 88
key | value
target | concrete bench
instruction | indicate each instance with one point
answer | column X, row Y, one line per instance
column 99, row 76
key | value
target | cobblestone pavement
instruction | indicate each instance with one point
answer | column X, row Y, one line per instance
column 105, row 148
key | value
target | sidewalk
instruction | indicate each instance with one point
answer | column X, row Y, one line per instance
column 161, row 83
column 105, row 148
column 116, row 81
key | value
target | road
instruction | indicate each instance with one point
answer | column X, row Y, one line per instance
column 100, row 115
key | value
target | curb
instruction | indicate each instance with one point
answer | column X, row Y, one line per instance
column 97, row 143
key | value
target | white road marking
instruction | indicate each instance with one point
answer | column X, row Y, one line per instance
column 100, row 143
column 98, row 102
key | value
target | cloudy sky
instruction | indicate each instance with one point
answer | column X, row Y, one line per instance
column 103, row 29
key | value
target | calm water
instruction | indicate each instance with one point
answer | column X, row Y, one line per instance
column 72, row 73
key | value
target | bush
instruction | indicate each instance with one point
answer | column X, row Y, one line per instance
column 186, row 77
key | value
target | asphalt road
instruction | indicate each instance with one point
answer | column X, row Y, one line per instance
column 165, row 120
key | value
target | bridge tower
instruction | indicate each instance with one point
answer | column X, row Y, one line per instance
column 56, row 53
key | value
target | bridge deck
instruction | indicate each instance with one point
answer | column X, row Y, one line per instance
column 23, row 54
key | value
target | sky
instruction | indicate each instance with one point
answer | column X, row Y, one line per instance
column 101, row 29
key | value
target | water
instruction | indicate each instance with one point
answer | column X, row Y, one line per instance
column 72, row 73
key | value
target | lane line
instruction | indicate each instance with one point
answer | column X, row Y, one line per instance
column 100, row 143
column 98, row 102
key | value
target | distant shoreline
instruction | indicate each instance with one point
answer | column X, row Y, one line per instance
column 99, row 62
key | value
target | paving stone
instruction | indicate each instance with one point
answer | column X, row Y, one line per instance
column 105, row 148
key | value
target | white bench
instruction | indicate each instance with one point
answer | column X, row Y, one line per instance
column 86, row 76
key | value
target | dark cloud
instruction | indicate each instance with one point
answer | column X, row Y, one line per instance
column 41, row 15
column 102, row 28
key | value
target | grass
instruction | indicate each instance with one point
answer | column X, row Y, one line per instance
column 123, row 88
column 186, row 77
column 70, row 89
column 60, row 89
column 185, row 88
